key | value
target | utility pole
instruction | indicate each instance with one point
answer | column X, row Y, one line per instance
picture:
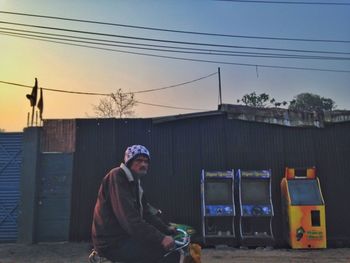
column 220, row 97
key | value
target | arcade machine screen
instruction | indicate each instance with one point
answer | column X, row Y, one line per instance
column 218, row 193
column 255, row 192
column 304, row 192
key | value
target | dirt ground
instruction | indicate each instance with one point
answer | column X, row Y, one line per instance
column 78, row 252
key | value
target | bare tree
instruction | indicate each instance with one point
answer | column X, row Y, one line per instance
column 118, row 104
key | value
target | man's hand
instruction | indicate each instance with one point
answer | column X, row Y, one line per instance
column 171, row 230
column 168, row 243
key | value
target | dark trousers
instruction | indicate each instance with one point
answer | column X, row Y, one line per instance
column 132, row 251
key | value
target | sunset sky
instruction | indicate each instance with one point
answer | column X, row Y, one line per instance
column 75, row 68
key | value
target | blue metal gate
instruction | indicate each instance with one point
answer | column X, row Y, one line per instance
column 10, row 171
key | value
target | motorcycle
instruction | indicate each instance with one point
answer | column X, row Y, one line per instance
column 190, row 253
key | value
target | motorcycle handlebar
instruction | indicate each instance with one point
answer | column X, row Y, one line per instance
column 185, row 239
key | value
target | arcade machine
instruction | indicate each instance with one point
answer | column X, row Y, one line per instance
column 256, row 209
column 218, row 210
column 303, row 209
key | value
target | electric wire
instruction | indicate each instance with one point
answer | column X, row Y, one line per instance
column 169, row 107
column 211, row 53
column 152, row 45
column 288, row 2
column 56, row 90
column 174, row 31
column 175, row 85
column 195, row 60
column 108, row 94
column 161, row 40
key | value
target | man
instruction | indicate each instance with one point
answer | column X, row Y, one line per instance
column 125, row 227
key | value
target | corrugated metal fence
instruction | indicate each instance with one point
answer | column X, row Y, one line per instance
column 181, row 148
column 10, row 169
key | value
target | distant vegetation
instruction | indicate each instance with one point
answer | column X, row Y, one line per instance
column 311, row 102
column 260, row 101
column 302, row 101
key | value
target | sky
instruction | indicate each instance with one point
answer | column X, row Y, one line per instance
column 91, row 70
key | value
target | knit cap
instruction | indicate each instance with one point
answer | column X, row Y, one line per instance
column 133, row 151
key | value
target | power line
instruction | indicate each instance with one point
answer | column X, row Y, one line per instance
column 57, row 90
column 288, row 2
column 177, row 31
column 131, row 46
column 176, row 85
column 127, row 44
column 170, row 107
column 198, row 60
column 108, row 94
column 162, row 40
column 269, row 56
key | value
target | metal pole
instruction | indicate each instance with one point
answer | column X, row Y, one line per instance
column 36, row 118
column 220, row 97
column 33, row 108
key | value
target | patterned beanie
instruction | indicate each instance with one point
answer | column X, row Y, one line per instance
column 133, row 151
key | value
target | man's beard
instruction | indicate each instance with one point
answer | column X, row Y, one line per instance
column 141, row 174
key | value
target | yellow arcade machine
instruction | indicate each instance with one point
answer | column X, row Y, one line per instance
column 303, row 209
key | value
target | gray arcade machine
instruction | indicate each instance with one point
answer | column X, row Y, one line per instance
column 218, row 207
column 256, row 209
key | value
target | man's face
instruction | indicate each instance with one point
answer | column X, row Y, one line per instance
column 139, row 166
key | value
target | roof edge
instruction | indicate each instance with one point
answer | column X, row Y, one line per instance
column 285, row 117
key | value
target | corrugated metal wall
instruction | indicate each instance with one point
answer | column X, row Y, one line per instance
column 10, row 168
column 95, row 154
column 181, row 148
column 332, row 153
